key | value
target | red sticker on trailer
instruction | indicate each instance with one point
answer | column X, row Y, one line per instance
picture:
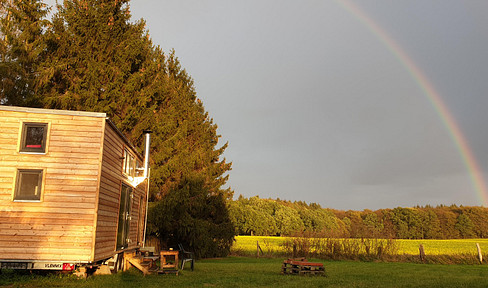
column 68, row 266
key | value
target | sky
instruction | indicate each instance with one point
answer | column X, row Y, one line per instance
column 348, row 104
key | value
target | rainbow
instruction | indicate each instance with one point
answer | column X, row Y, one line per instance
column 432, row 95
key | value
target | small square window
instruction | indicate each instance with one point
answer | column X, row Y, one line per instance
column 29, row 184
column 34, row 137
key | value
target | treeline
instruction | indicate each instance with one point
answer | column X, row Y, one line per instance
column 256, row 216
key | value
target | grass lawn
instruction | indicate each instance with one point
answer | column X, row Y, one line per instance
column 252, row 272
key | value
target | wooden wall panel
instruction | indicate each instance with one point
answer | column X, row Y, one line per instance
column 109, row 193
column 60, row 226
column 109, row 197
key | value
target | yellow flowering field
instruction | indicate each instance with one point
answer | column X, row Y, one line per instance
column 443, row 247
column 247, row 245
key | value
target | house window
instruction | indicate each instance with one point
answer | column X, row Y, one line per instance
column 129, row 164
column 139, row 169
column 28, row 186
column 33, row 137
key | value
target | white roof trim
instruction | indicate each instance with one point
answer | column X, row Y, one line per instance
column 52, row 111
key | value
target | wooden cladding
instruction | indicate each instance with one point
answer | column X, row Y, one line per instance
column 50, row 149
column 71, row 213
column 112, row 183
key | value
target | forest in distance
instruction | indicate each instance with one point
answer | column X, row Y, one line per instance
column 270, row 217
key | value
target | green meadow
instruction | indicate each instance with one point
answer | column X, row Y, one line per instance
column 238, row 271
column 265, row 272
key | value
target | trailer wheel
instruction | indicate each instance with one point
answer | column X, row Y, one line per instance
column 119, row 263
column 91, row 270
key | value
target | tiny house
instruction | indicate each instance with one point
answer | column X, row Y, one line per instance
column 73, row 189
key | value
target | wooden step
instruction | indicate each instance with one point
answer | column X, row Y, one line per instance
column 136, row 263
column 168, row 271
column 146, row 263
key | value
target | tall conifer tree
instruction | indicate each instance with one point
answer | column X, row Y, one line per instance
column 22, row 23
column 97, row 60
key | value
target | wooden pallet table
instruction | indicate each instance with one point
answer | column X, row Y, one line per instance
column 302, row 267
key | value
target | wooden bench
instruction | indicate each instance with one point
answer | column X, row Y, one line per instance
column 302, row 267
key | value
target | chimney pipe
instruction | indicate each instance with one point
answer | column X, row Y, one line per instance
column 146, row 152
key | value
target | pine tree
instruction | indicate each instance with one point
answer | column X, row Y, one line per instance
column 97, row 60
column 22, row 26
column 189, row 175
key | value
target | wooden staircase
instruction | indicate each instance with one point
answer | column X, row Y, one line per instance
column 146, row 264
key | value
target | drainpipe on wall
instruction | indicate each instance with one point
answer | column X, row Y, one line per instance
column 146, row 176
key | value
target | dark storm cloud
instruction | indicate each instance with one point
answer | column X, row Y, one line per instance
column 316, row 108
